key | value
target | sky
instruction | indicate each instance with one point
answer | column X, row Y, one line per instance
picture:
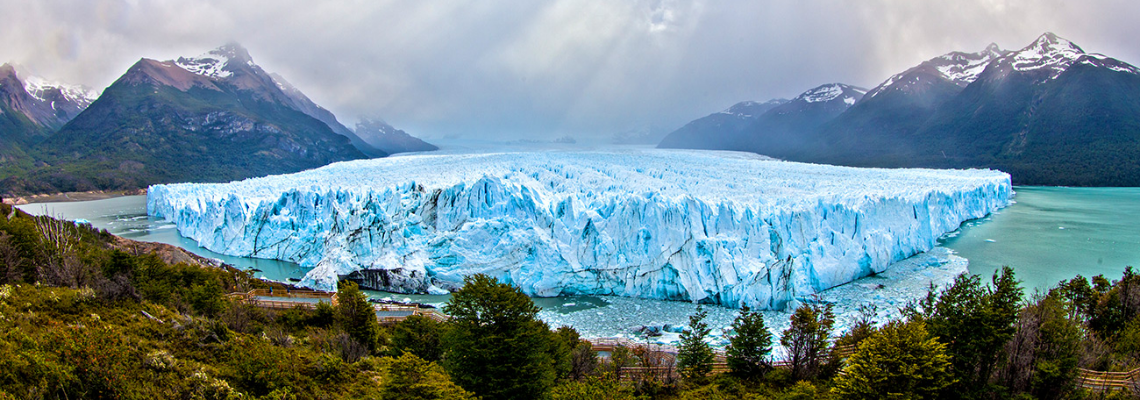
column 493, row 69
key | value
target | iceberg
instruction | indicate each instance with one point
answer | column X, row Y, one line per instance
column 710, row 227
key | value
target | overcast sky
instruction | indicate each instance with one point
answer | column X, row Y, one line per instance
column 509, row 69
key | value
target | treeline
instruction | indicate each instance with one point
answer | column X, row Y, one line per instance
column 82, row 319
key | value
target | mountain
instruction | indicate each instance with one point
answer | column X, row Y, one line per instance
column 380, row 135
column 721, row 130
column 32, row 107
column 790, row 128
column 900, row 106
column 1049, row 114
column 216, row 117
column 302, row 103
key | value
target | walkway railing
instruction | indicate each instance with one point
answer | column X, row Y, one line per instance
column 1101, row 381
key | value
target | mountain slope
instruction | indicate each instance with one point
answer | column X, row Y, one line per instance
column 300, row 102
column 380, row 135
column 216, row 117
column 719, row 131
column 898, row 107
column 790, row 129
column 31, row 108
column 1048, row 114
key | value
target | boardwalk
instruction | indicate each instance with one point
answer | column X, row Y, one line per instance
column 308, row 299
column 1100, row 381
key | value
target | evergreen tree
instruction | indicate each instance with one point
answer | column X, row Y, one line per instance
column 748, row 349
column 496, row 347
column 806, row 340
column 1041, row 359
column 975, row 322
column 563, row 342
column 412, row 378
column 694, row 356
column 418, row 335
column 899, row 361
column 357, row 316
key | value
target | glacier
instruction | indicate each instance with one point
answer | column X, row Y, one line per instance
column 712, row 227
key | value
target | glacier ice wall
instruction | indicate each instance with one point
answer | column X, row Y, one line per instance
column 715, row 227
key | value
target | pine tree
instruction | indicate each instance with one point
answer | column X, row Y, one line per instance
column 806, row 340
column 412, row 378
column 694, row 356
column 899, row 361
column 357, row 316
column 496, row 347
column 418, row 335
column 748, row 349
column 975, row 322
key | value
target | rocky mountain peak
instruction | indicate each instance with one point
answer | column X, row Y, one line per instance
column 832, row 91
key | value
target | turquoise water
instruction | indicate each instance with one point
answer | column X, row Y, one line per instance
column 1054, row 233
column 1047, row 235
column 126, row 217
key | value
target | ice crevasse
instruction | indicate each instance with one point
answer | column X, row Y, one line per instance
column 714, row 227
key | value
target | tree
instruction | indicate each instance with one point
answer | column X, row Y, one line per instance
column 899, row 361
column 496, row 347
column 357, row 316
column 412, row 378
column 595, row 388
column 694, row 356
column 1042, row 356
column 975, row 322
column 563, row 342
column 748, row 349
column 418, row 335
column 806, row 340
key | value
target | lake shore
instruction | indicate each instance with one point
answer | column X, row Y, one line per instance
column 72, row 196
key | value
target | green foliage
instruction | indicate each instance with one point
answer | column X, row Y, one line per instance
column 417, row 335
column 975, row 322
column 899, row 361
column 141, row 134
column 496, row 347
column 357, row 316
column 806, row 339
column 603, row 387
column 748, row 349
column 412, row 378
column 694, row 356
column 563, row 341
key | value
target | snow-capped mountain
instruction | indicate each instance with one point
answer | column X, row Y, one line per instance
column 752, row 109
column 215, row 117
column 957, row 67
column 1049, row 113
column 770, row 128
column 1050, row 56
column 832, row 97
column 31, row 108
column 380, row 135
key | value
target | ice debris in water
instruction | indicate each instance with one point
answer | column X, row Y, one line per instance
column 715, row 227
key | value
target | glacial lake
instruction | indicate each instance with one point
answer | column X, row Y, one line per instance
column 1047, row 235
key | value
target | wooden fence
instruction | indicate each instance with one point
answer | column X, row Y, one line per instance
column 1101, row 381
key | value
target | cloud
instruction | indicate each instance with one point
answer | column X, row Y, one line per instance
column 513, row 69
